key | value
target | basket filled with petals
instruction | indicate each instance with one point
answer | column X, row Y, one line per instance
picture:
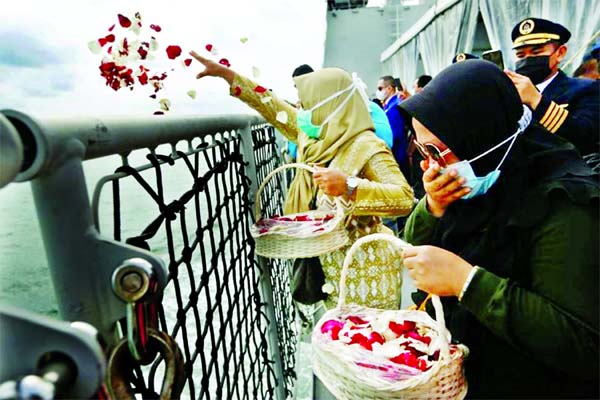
column 301, row 235
column 367, row 353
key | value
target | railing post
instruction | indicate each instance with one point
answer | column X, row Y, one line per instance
column 81, row 262
column 265, row 275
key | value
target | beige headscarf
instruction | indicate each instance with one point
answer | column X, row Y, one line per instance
column 346, row 142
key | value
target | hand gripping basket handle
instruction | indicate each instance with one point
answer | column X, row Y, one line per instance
column 257, row 204
column 437, row 304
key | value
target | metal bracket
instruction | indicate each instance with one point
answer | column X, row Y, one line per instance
column 68, row 361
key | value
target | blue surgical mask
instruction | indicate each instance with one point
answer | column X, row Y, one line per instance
column 304, row 117
column 481, row 184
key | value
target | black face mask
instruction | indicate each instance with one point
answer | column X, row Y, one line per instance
column 535, row 68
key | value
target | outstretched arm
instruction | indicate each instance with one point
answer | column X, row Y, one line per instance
column 276, row 111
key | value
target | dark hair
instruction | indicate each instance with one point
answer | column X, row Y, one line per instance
column 389, row 80
column 423, row 80
column 302, row 70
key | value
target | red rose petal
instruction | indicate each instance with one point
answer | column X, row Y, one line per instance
column 362, row 340
column 102, row 42
column 260, row 89
column 110, row 38
column 237, row 91
column 173, row 51
column 157, row 28
column 225, row 62
column 124, row 21
column 111, row 28
column 356, row 320
column 143, row 78
column 208, row 47
column 109, row 50
column 187, row 62
column 142, row 52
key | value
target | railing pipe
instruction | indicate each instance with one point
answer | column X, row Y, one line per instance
column 46, row 139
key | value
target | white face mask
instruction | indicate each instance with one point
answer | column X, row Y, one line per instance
column 380, row 95
column 481, row 184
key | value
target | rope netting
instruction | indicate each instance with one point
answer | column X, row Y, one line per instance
column 198, row 202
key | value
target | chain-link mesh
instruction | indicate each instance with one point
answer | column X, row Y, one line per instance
column 212, row 304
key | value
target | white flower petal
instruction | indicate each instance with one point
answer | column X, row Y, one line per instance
column 282, row 117
column 214, row 51
column 255, row 72
column 94, row 47
column 266, row 99
column 192, row 93
column 165, row 104
column 153, row 45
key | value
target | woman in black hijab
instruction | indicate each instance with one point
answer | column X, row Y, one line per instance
column 516, row 255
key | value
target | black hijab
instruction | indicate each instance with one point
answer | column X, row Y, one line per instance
column 472, row 106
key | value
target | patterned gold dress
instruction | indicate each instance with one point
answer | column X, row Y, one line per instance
column 375, row 276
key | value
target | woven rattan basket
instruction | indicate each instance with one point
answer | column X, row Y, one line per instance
column 304, row 242
column 336, row 364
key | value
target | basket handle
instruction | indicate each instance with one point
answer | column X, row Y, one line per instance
column 398, row 243
column 257, row 204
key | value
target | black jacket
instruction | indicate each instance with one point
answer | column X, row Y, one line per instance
column 570, row 108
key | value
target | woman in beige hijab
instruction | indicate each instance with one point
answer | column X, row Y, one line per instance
column 347, row 147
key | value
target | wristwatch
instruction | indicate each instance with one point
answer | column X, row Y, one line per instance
column 351, row 185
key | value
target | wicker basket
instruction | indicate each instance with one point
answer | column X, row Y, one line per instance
column 303, row 243
column 335, row 363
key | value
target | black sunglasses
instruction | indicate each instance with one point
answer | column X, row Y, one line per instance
column 430, row 150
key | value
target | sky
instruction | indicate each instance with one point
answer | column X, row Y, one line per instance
column 46, row 67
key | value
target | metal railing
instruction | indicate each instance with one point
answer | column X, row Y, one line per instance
column 228, row 310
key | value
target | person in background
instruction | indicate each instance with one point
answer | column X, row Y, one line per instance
column 463, row 56
column 387, row 94
column 421, row 82
column 401, row 90
column 508, row 234
column 334, row 132
column 383, row 130
column 590, row 66
column 566, row 107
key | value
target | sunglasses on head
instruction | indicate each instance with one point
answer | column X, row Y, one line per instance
column 430, row 150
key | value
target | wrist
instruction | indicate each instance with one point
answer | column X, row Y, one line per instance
column 467, row 277
column 433, row 208
column 535, row 100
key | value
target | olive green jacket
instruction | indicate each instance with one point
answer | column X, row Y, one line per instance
column 538, row 336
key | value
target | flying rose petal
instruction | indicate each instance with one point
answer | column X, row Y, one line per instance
column 260, row 89
column 111, row 28
column 187, row 62
column 225, row 62
column 173, row 51
column 237, row 91
column 124, row 21
column 136, row 28
column 95, row 47
column 165, row 104
column 192, row 94
column 208, row 47
column 153, row 44
column 266, row 99
column 255, row 72
column 110, row 38
column 102, row 42
column 244, row 39
column 156, row 28
column 282, row 117
column 142, row 52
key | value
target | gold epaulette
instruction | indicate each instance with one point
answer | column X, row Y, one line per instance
column 554, row 117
